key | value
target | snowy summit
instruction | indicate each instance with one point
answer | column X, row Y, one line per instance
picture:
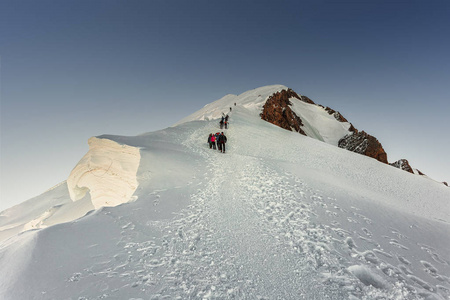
column 286, row 213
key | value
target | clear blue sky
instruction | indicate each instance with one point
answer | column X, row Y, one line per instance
column 75, row 69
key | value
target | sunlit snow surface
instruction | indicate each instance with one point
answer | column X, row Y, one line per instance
column 279, row 216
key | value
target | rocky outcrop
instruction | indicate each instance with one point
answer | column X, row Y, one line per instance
column 420, row 173
column 277, row 111
column 305, row 99
column 403, row 164
column 338, row 116
column 364, row 143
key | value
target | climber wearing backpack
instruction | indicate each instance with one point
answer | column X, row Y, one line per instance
column 213, row 141
column 221, row 142
column 219, row 145
column 209, row 141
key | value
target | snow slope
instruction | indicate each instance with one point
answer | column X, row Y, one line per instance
column 279, row 216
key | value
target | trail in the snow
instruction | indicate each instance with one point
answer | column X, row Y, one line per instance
column 229, row 246
column 252, row 254
column 254, row 233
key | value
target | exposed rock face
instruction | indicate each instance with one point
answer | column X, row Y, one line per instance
column 305, row 99
column 445, row 183
column 277, row 111
column 403, row 164
column 420, row 173
column 337, row 115
column 365, row 144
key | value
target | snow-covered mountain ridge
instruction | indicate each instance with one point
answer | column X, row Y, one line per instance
column 279, row 216
column 289, row 110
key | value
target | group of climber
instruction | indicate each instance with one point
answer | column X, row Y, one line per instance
column 218, row 138
column 224, row 122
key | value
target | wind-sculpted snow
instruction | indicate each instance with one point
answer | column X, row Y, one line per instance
column 107, row 172
column 279, row 216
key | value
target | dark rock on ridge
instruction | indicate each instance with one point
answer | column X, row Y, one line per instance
column 277, row 111
column 364, row 143
column 338, row 116
column 403, row 164
column 420, row 173
column 306, row 99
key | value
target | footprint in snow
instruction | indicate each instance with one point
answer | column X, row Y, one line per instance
column 368, row 240
column 316, row 198
column 331, row 213
column 368, row 276
column 398, row 245
column 367, row 232
column 350, row 243
column 340, row 232
column 398, row 234
column 338, row 208
column 405, row 270
column 432, row 252
column 366, row 219
column 421, row 282
column 430, row 269
column 128, row 226
column 351, row 220
column 382, row 253
column 404, row 260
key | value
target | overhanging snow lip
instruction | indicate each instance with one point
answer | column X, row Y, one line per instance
column 108, row 172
